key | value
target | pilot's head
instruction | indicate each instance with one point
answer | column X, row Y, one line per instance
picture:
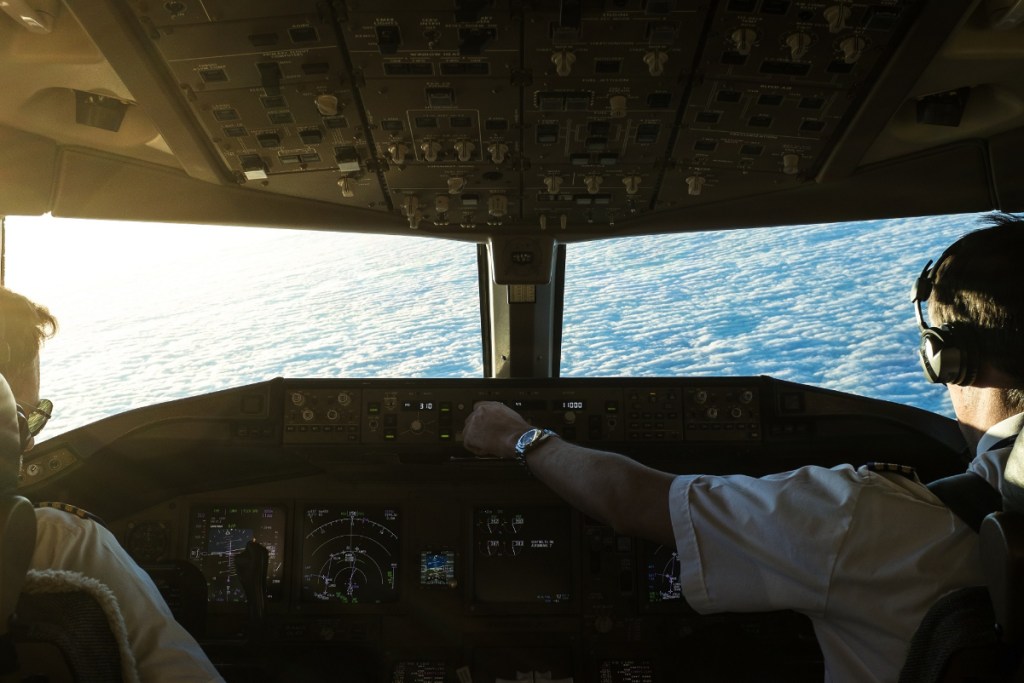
column 978, row 292
column 24, row 326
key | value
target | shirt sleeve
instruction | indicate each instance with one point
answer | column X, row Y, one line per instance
column 163, row 649
column 759, row 544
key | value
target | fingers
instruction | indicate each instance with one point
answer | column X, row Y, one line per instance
column 492, row 428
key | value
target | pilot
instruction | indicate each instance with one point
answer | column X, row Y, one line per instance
column 864, row 553
column 163, row 649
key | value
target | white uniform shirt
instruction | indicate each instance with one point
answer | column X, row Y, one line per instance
column 164, row 650
column 863, row 554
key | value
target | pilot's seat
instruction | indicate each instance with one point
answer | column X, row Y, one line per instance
column 976, row 635
column 54, row 625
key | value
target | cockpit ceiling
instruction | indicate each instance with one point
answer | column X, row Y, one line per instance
column 468, row 118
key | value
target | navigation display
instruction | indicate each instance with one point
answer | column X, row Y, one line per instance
column 218, row 533
column 661, row 575
column 350, row 554
column 522, row 555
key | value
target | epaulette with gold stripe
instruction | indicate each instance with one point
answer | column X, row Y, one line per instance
column 73, row 510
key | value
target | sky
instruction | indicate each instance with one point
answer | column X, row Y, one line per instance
column 152, row 312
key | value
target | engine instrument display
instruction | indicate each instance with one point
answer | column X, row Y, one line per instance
column 350, row 555
column 523, row 555
column 219, row 533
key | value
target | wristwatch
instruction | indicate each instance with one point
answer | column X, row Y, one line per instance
column 530, row 440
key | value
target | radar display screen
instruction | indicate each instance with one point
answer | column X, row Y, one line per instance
column 437, row 567
column 350, row 554
column 522, row 555
column 218, row 533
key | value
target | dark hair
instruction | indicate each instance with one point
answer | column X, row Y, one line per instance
column 25, row 326
column 977, row 285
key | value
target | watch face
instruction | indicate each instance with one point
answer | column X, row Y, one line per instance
column 526, row 440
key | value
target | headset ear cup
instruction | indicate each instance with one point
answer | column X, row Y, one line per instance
column 23, row 432
column 947, row 355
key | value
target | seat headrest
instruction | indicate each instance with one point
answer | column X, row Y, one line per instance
column 10, row 438
column 1013, row 480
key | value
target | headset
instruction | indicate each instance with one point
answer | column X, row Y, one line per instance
column 949, row 352
column 6, row 397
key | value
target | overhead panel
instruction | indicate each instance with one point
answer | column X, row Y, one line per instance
column 561, row 118
column 775, row 82
column 268, row 83
column 439, row 88
column 601, row 105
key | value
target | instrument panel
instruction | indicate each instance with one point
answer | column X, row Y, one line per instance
column 391, row 553
column 583, row 413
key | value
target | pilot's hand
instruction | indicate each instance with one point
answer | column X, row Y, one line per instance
column 493, row 429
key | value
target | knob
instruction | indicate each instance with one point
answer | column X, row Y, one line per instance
column 700, row 396
column 327, row 105
column 430, row 150
column 398, row 151
column 593, row 183
column 344, row 399
column 694, row 185
column 798, row 43
column 332, row 414
column 543, row 221
column 553, row 183
column 711, row 413
column 498, row 152
column 836, row 16
column 563, row 61
column 456, row 184
column 632, row 183
column 464, row 150
column 655, row 62
column 298, row 398
column 790, row 164
column 416, row 426
column 746, row 396
column 308, row 415
column 414, row 220
column 347, row 187
column 411, row 205
column 617, row 103
column 441, row 204
column 853, row 48
column 569, row 417
column 497, row 205
column 563, row 221
column 736, row 413
column 743, row 40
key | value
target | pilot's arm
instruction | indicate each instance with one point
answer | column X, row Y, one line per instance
column 632, row 498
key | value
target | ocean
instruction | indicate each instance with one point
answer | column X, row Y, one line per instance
column 149, row 312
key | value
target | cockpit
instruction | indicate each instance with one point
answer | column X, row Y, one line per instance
column 324, row 522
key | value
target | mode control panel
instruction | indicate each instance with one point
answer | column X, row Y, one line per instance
column 433, row 412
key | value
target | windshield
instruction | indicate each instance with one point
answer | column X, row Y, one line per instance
column 827, row 305
column 151, row 312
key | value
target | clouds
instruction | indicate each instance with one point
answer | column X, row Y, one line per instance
column 820, row 304
column 151, row 313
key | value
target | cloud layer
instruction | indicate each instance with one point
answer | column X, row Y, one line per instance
column 150, row 313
